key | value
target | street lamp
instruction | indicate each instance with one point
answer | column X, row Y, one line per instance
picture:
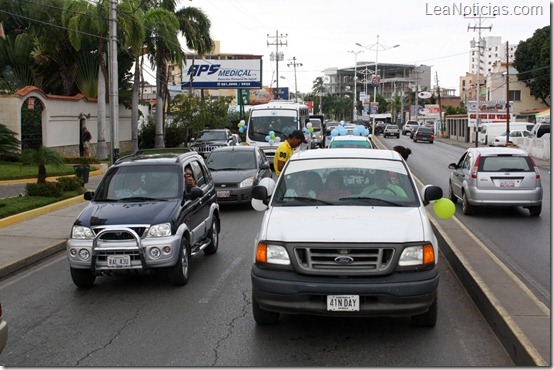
column 375, row 47
column 354, row 114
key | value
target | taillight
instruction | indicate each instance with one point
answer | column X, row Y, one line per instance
column 537, row 173
column 475, row 167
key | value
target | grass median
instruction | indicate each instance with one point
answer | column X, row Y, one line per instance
column 15, row 171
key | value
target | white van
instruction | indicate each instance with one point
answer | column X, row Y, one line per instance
column 490, row 130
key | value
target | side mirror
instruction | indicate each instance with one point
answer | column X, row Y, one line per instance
column 259, row 192
column 453, row 166
column 431, row 192
column 88, row 195
column 195, row 193
column 264, row 166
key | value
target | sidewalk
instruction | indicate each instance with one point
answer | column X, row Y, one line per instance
column 520, row 321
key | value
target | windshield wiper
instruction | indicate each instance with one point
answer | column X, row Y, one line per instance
column 139, row 199
column 372, row 199
column 307, row 200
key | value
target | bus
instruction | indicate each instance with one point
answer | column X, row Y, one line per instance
column 277, row 117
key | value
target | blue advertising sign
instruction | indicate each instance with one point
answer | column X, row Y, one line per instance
column 223, row 74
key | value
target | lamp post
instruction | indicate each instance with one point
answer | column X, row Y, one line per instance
column 354, row 114
column 375, row 47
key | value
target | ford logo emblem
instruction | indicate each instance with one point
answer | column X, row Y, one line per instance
column 344, row 259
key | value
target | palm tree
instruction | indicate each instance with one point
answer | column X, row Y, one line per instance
column 317, row 89
column 162, row 23
column 41, row 157
column 9, row 143
column 395, row 105
column 88, row 21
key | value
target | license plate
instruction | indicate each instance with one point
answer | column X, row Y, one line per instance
column 343, row 303
column 507, row 183
column 119, row 261
column 223, row 194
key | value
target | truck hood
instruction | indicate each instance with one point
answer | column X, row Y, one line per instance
column 345, row 224
column 128, row 213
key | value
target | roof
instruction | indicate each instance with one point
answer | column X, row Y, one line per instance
column 346, row 153
column 499, row 150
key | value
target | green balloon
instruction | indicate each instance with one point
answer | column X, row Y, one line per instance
column 444, row 208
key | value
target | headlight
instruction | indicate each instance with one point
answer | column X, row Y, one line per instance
column 246, row 182
column 158, row 231
column 276, row 254
column 81, row 232
column 417, row 255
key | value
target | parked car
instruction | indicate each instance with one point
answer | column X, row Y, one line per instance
column 515, row 135
column 351, row 141
column 409, row 126
column 3, row 330
column 423, row 133
column 208, row 140
column 318, row 134
column 488, row 176
column 236, row 170
column 142, row 218
column 540, row 129
column 391, row 130
column 237, row 139
column 328, row 250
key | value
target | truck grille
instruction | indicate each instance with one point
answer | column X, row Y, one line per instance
column 121, row 234
column 352, row 261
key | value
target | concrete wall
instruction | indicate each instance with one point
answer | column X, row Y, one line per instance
column 61, row 120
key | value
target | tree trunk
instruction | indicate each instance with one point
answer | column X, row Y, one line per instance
column 41, row 174
column 102, row 150
column 135, row 109
column 159, row 142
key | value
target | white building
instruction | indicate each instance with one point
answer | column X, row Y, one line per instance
column 492, row 50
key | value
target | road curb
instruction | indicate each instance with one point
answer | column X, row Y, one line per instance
column 36, row 257
column 10, row 220
column 51, row 178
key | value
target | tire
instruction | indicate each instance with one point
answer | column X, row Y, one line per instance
column 467, row 208
column 179, row 274
column 83, row 278
column 262, row 316
column 535, row 210
column 431, row 142
column 451, row 195
column 427, row 319
column 415, row 141
column 213, row 233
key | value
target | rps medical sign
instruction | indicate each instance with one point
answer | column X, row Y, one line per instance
column 223, row 74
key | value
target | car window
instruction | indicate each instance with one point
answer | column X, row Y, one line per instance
column 228, row 160
column 158, row 182
column 505, row 163
column 364, row 182
column 198, row 173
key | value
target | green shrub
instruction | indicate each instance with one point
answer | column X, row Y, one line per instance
column 44, row 189
column 69, row 183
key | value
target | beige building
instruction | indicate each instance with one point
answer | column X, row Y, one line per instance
column 518, row 92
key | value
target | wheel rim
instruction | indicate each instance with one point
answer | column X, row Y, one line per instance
column 215, row 235
column 185, row 261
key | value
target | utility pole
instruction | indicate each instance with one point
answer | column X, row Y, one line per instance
column 417, row 78
column 355, row 114
column 507, row 95
column 440, row 105
column 294, row 63
column 278, row 57
column 479, row 27
column 114, row 97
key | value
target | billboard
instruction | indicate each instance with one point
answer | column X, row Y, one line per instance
column 489, row 111
column 262, row 96
column 223, row 74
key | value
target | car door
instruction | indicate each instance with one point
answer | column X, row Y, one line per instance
column 459, row 174
column 204, row 182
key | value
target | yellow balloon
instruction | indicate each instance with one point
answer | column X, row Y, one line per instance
column 444, row 208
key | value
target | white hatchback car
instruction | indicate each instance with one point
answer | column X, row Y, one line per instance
column 345, row 233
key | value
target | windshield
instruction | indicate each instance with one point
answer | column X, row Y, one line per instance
column 350, row 144
column 158, row 182
column 212, row 136
column 231, row 160
column 282, row 123
column 359, row 182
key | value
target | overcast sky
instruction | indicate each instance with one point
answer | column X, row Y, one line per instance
column 320, row 33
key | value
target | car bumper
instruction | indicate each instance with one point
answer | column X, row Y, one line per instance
column 139, row 252
column 3, row 334
column 525, row 198
column 235, row 196
column 394, row 295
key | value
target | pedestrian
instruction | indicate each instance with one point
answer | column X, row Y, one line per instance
column 404, row 152
column 86, row 137
column 286, row 150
